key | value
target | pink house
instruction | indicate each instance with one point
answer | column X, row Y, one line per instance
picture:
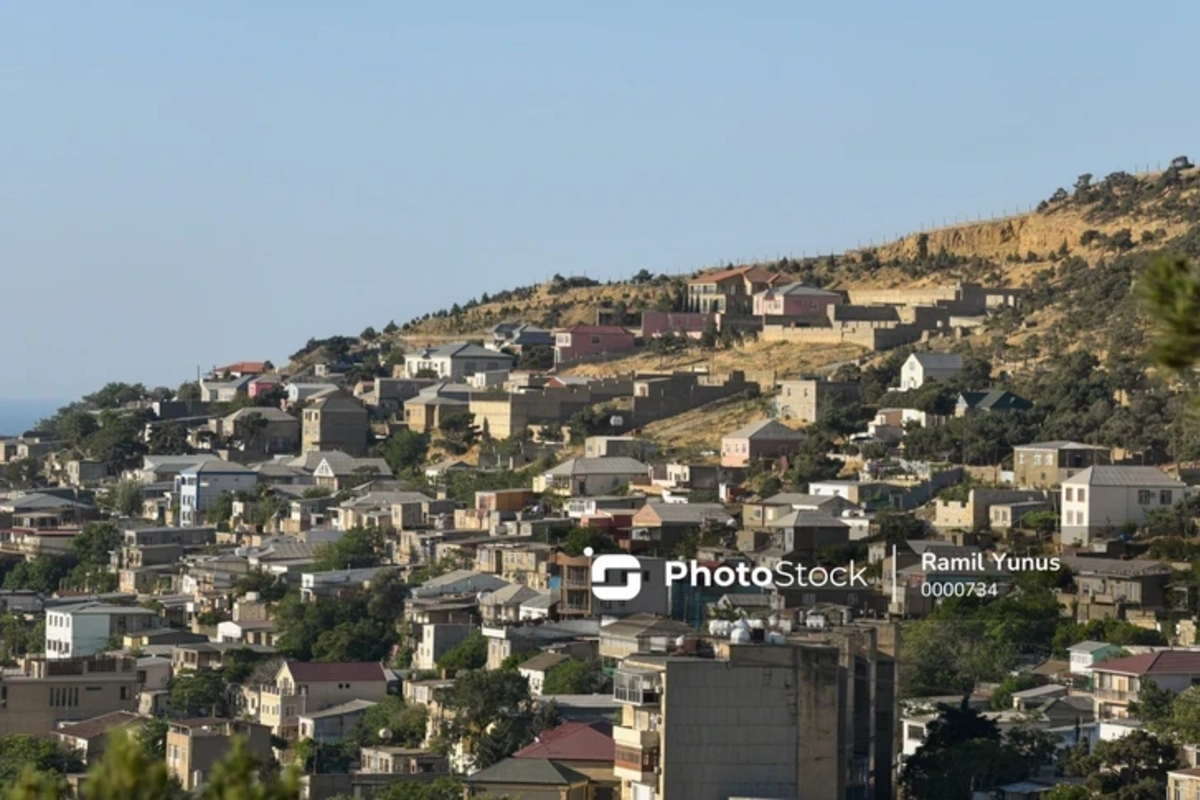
column 263, row 384
column 688, row 323
column 582, row 341
column 795, row 301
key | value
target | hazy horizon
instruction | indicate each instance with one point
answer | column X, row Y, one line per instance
column 196, row 185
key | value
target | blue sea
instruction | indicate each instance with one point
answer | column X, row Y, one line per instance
column 18, row 416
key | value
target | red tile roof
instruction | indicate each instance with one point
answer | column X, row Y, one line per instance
column 1162, row 662
column 243, row 366
column 573, row 741
column 317, row 672
column 753, row 274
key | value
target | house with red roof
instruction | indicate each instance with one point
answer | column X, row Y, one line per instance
column 303, row 688
column 1117, row 681
column 586, row 747
column 730, row 291
column 585, row 341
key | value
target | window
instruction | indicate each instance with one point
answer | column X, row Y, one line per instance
column 1070, row 493
column 124, row 692
column 595, row 340
column 1144, row 497
column 1070, row 517
column 1082, row 495
column 1037, row 459
column 1020, row 458
column 1164, row 497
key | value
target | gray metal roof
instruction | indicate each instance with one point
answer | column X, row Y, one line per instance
column 607, row 465
column 768, row 429
column 1150, row 477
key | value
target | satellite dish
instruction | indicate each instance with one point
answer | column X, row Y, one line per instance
column 385, row 734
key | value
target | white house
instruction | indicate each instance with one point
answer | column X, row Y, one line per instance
column 456, row 361
column 1105, row 497
column 1085, row 654
column 921, row 368
column 83, row 629
column 535, row 669
column 199, row 486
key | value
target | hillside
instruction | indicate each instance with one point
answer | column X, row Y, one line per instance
column 1077, row 256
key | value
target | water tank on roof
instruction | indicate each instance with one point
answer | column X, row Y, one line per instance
column 241, row 552
column 740, row 636
column 774, row 637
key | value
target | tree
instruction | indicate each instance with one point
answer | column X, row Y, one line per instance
column 196, row 694
column 115, row 395
column 1153, row 704
column 93, row 544
column 73, row 426
column 222, row 509
column 536, row 358
column 479, row 698
column 1131, row 760
column 404, row 450
column 1171, row 293
column 962, row 751
column 369, row 334
column 579, row 539
column 266, row 585
column 19, row 752
column 169, row 439
column 124, row 498
column 357, row 549
column 458, row 432
column 23, row 473
column 1002, row 696
column 470, row 653
column 447, row 788
column 241, row 775
column 574, row 677
column 406, row 723
column 42, row 574
column 188, row 391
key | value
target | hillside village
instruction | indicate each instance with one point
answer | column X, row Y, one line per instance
column 375, row 562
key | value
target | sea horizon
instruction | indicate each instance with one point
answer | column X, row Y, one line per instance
column 18, row 415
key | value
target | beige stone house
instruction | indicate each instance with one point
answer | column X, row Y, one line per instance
column 335, row 422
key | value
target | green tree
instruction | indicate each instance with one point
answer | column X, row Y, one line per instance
column 73, row 426
column 458, row 432
column 470, row 653
column 268, row 586
column 124, row 498
column 115, row 395
column 241, row 775
column 1002, row 696
column 357, row 549
column 93, row 544
column 42, row 574
column 19, row 752
column 404, row 450
column 479, row 698
column 574, row 677
column 1118, row 764
column 579, row 539
column 406, row 723
column 23, row 473
column 1154, row 703
column 194, row 694
column 962, row 751
column 222, row 509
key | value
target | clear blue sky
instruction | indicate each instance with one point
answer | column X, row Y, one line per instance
column 200, row 183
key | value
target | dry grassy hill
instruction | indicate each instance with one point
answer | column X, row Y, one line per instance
column 1078, row 255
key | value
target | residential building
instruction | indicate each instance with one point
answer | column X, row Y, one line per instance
column 529, row 779
column 339, row 471
column 517, row 336
column 1104, row 499
column 586, row 341
column 761, row 722
column 303, row 688
column 46, row 692
column 85, row 629
column 639, row 634
column 730, row 291
column 795, row 302
column 333, row 724
column 303, row 392
column 1042, row 465
column 761, row 513
column 391, row 760
column 433, row 640
column 454, row 361
column 335, row 422
column 678, row 323
column 1117, row 681
column 806, row 399
column 199, row 487
column 157, row 469
column 195, row 745
column 260, row 431
column 1086, row 654
column 662, row 526
column 974, row 513
column 534, row 670
column 767, row 440
column 89, row 736
column 1107, row 587
column 586, row 747
column 990, row 401
column 610, row 446
column 921, row 368
column 582, row 477
column 1183, row 784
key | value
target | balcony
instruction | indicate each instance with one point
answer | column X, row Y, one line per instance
column 636, row 738
column 638, row 688
column 1115, row 695
column 635, row 763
